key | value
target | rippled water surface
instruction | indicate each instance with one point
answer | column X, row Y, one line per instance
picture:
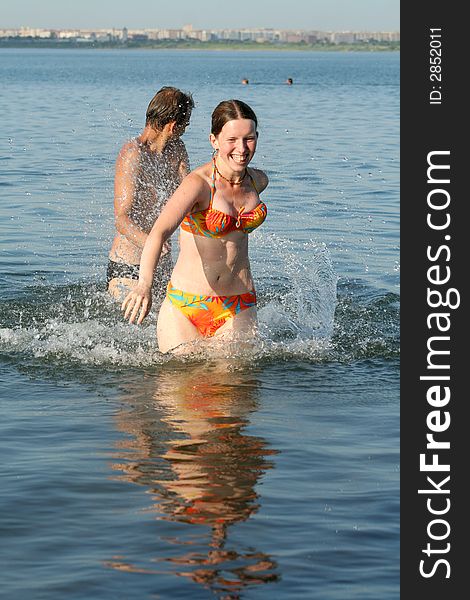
column 263, row 472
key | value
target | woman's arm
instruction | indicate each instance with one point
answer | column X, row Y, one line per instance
column 127, row 165
column 183, row 201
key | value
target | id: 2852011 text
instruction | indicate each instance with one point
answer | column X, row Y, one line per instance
column 435, row 66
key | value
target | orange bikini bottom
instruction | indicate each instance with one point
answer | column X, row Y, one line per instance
column 208, row 313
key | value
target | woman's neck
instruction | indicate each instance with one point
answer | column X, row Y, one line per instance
column 232, row 177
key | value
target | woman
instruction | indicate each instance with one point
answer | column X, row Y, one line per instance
column 149, row 168
column 211, row 292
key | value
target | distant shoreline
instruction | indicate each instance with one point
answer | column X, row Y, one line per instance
column 185, row 45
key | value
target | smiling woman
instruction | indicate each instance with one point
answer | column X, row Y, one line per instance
column 211, row 292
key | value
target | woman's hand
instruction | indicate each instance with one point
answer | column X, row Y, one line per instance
column 139, row 300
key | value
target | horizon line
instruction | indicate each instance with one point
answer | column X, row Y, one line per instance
column 182, row 28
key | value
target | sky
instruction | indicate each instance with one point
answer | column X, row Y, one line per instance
column 326, row 15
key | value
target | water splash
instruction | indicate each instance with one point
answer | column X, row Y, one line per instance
column 77, row 324
column 302, row 316
column 301, row 290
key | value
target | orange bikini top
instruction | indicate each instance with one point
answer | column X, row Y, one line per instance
column 214, row 223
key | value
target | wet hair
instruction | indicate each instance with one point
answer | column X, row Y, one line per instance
column 230, row 110
column 169, row 104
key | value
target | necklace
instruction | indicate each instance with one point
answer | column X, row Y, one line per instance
column 229, row 180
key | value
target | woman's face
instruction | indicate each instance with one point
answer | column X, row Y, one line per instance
column 236, row 143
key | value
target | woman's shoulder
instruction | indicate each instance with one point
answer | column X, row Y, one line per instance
column 202, row 174
column 260, row 178
column 196, row 186
column 197, row 179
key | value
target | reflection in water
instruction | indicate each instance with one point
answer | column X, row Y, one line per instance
column 189, row 448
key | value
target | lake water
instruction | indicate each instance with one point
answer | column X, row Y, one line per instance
column 268, row 474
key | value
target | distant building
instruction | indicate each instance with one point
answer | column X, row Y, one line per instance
column 139, row 37
column 343, row 37
column 187, row 32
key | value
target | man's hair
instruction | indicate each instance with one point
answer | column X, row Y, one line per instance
column 169, row 104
